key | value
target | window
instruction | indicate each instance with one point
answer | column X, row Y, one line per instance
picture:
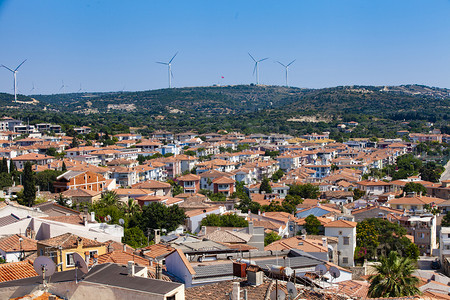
column 346, row 240
column 448, row 235
column 345, row 260
column 69, row 260
column 92, row 253
column 340, row 232
column 422, row 235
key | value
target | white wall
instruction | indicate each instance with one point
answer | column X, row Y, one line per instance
column 176, row 267
column 345, row 250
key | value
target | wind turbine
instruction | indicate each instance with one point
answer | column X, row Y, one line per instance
column 169, row 68
column 287, row 68
column 255, row 69
column 63, row 86
column 15, row 77
column 79, row 90
column 33, row 88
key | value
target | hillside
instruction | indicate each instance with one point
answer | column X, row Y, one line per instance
column 392, row 102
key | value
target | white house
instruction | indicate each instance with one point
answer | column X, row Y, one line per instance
column 444, row 243
column 345, row 231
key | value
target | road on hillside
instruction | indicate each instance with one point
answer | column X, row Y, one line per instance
column 446, row 174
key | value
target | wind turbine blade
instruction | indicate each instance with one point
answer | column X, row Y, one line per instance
column 254, row 69
column 171, row 73
column 251, row 57
column 20, row 65
column 263, row 59
column 281, row 64
column 291, row 63
column 7, row 68
column 162, row 63
column 173, row 57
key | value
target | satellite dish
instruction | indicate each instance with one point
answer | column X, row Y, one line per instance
column 80, row 263
column 44, row 266
column 121, row 221
column 292, row 290
column 321, row 270
column 108, row 218
column 281, row 295
column 334, row 272
column 303, row 231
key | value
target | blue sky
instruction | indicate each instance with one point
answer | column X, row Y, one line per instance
column 113, row 45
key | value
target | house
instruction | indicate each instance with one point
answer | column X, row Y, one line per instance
column 423, row 229
column 103, row 281
column 79, row 180
column 16, row 247
column 444, row 248
column 61, row 249
column 190, row 183
column 374, row 211
column 33, row 158
column 413, row 203
column 78, row 196
column 374, row 187
column 223, row 185
column 345, row 231
column 160, row 188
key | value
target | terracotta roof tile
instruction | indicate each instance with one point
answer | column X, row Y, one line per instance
column 16, row 270
column 12, row 244
column 69, row 241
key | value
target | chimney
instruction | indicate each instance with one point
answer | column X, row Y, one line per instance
column 259, row 212
column 92, row 216
column 324, row 242
column 157, row 236
column 250, row 227
column 86, row 257
column 85, row 222
column 264, row 214
column 249, row 211
column 303, row 236
column 124, row 247
column 130, row 268
column 235, row 294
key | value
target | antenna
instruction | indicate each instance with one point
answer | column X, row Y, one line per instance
column 45, row 267
column 292, row 290
column 255, row 69
column 80, row 264
column 15, row 77
column 169, row 68
column 287, row 68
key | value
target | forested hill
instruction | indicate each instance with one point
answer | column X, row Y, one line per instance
column 393, row 102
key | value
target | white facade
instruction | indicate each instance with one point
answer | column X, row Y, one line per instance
column 444, row 242
column 346, row 244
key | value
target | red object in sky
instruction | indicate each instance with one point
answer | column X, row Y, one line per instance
column 223, row 77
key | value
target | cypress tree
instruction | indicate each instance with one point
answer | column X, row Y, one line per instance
column 12, row 167
column 64, row 168
column 4, row 166
column 29, row 184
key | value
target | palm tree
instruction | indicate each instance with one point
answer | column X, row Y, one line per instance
column 110, row 198
column 394, row 277
column 131, row 207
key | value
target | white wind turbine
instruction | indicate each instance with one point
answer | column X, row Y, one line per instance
column 287, row 69
column 169, row 68
column 63, row 87
column 255, row 69
column 15, row 77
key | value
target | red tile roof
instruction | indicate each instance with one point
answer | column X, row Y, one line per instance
column 16, row 270
column 341, row 224
column 12, row 243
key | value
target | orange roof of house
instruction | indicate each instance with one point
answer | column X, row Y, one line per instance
column 122, row 257
column 224, row 180
column 420, row 200
column 157, row 250
column 32, row 156
column 17, row 270
column 69, row 241
column 151, row 184
column 296, row 242
column 189, row 177
column 341, row 223
column 12, row 243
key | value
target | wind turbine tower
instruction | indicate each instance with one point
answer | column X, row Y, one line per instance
column 287, row 69
column 15, row 77
column 169, row 69
column 255, row 69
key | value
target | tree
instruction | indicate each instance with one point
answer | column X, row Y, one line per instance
column 277, row 175
column 389, row 237
column 131, row 208
column 75, row 143
column 64, row 168
column 51, row 152
column 270, row 238
column 394, row 277
column 4, row 166
column 158, row 216
column 357, row 194
column 29, row 184
column 312, row 225
column 12, row 167
column 265, row 186
column 45, row 179
column 5, row 180
column 134, row 237
column 228, row 220
column 62, row 201
column 446, row 220
column 306, row 191
column 413, row 187
column 109, row 198
column 176, row 187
